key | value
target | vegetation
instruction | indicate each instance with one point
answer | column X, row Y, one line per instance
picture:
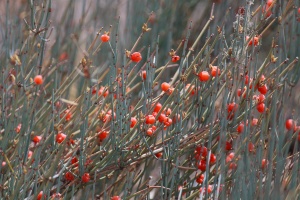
column 151, row 104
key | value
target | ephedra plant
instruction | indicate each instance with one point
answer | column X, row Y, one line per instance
column 212, row 117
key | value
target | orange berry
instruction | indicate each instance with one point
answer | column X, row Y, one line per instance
column 38, row 80
column 60, row 137
column 105, row 38
column 149, row 132
column 136, row 57
column 175, row 58
column 165, row 86
column 133, row 122
column 115, row 198
column 203, row 76
column 36, row 139
column 150, row 119
column 157, row 108
column 255, row 39
column 215, row 70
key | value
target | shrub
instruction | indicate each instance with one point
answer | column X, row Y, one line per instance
column 208, row 114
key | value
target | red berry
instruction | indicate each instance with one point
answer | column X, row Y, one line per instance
column 212, row 159
column 144, row 75
column 229, row 157
column 289, row 124
column 246, row 80
column 115, row 198
column 256, row 41
column 215, row 70
column 175, row 58
column 261, row 98
column 191, row 89
column 202, row 165
column 74, row 160
column 263, row 89
column 200, row 179
column 162, row 117
column 203, row 76
column 232, row 107
column 150, row 132
column 251, row 147
column 105, row 38
column 202, row 151
column 29, row 154
column 150, row 119
column 85, row 178
column 69, row 176
column 240, row 128
column 158, row 155
column 260, row 107
column 102, row 135
column 165, row 86
column 40, row 196
column 157, row 107
column 38, row 80
column 264, row 163
column 133, row 122
column 228, row 146
column 60, row 137
column 136, row 57
column 36, row 139
column 254, row 122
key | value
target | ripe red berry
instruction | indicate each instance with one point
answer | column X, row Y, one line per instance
column 60, row 137
column 261, row 98
column 240, row 128
column 200, row 179
column 215, row 70
column 202, row 150
column 40, row 195
column 158, row 155
column 203, row 76
column 102, row 135
column 212, row 159
column 36, row 139
column 229, row 157
column 251, row 147
column 38, row 80
column 228, row 146
column 175, row 58
column 115, row 198
column 150, row 119
column 165, row 86
column 289, row 124
column 144, row 75
column 264, row 163
column 105, row 38
column 74, row 160
column 133, row 122
column 85, row 178
column 202, row 165
column 263, row 89
column 256, row 41
column 260, row 107
column 162, row 117
column 232, row 107
column 136, row 57
column 157, row 107
column 150, row 132
column 69, row 176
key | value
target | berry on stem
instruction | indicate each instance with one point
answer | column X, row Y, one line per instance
column 105, row 37
column 85, row 178
column 38, row 80
column 136, row 57
column 203, row 76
